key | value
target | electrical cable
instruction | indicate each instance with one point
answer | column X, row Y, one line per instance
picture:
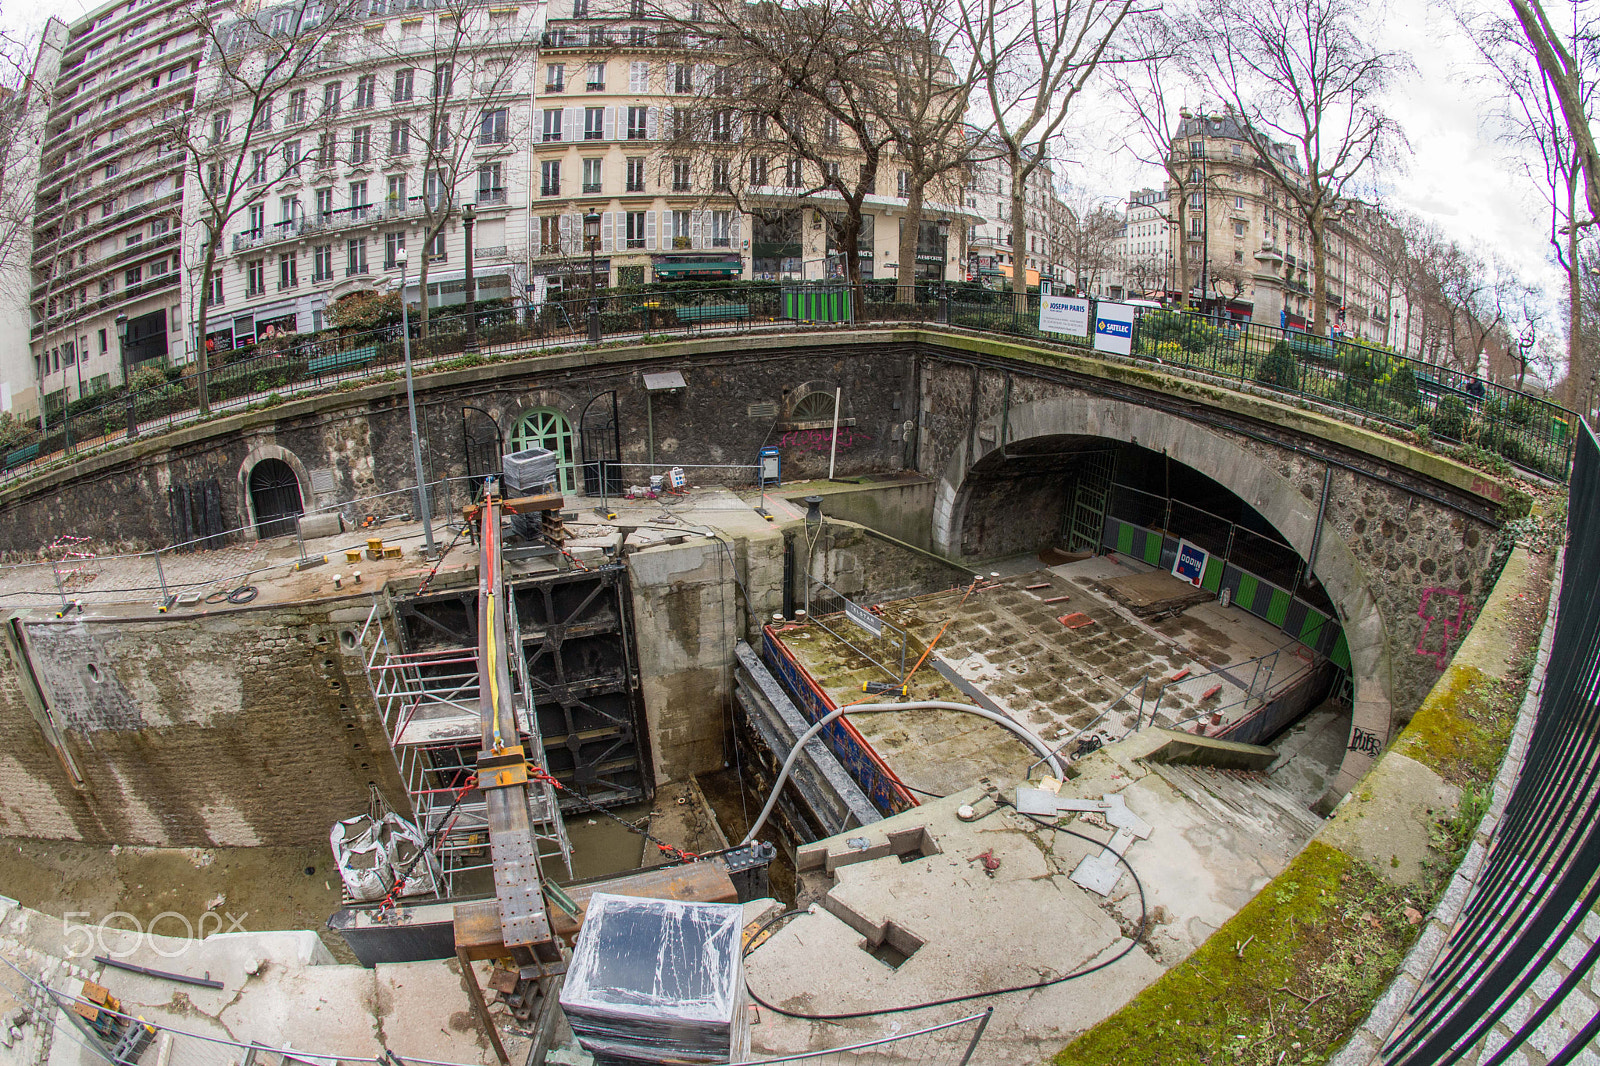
column 1133, row 942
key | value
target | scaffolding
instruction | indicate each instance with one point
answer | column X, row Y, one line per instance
column 432, row 716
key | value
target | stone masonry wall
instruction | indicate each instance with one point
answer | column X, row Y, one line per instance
column 1420, row 549
column 740, row 396
column 230, row 728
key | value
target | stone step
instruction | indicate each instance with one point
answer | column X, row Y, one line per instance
column 1249, row 800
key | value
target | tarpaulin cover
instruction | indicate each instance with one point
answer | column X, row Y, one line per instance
column 657, row 977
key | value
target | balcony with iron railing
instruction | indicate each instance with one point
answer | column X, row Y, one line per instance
column 489, row 251
column 313, row 223
column 116, row 260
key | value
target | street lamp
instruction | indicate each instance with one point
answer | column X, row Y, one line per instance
column 423, row 503
column 591, row 236
column 944, row 270
column 133, row 400
column 469, row 216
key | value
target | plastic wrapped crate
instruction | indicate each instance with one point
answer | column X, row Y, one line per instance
column 657, row 980
column 527, row 472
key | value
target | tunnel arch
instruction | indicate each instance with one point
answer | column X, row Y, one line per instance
column 248, row 502
column 1231, row 465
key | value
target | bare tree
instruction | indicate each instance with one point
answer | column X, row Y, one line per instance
column 469, row 119
column 1562, row 67
column 1041, row 55
column 806, row 84
column 1150, row 91
column 923, row 103
column 1530, row 117
column 1300, row 72
column 239, row 148
column 1088, row 237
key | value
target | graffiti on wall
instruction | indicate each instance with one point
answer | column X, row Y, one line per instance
column 820, row 440
column 1443, row 613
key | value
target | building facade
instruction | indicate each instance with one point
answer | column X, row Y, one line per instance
column 990, row 254
column 106, row 293
column 366, row 153
column 1249, row 255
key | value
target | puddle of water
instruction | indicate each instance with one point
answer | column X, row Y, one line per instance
column 601, row 847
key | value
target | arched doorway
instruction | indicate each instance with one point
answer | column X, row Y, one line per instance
column 545, row 427
column 275, row 498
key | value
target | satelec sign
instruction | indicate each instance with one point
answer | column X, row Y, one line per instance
column 1113, row 328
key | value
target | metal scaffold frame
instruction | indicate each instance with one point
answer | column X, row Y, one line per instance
column 429, row 702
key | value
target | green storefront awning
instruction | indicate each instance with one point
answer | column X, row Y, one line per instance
column 716, row 267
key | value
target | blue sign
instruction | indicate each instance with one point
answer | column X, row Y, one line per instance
column 1113, row 329
column 1190, row 565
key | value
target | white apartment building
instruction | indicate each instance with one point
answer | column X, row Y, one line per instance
column 990, row 254
column 1145, row 251
column 105, row 295
column 420, row 108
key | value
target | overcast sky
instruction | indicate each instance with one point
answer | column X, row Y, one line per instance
column 1457, row 176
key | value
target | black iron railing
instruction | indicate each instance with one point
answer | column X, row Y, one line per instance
column 1371, row 382
column 1539, row 881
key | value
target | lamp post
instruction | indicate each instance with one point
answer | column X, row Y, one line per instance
column 591, row 237
column 424, row 505
column 944, row 271
column 469, row 216
column 133, row 399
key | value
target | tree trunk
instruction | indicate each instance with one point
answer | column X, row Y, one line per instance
column 1319, row 278
column 1577, row 373
column 1019, row 234
column 422, row 288
column 202, row 358
column 850, row 245
column 906, row 289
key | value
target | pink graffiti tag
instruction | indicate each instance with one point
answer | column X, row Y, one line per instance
column 819, row 440
column 1448, row 608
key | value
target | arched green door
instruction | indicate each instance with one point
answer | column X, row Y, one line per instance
column 545, row 427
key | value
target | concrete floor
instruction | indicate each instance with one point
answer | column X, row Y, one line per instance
column 1216, row 838
column 1007, row 644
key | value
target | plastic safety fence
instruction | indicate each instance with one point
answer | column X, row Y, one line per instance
column 1539, row 882
column 817, row 305
column 1309, row 625
column 879, row 782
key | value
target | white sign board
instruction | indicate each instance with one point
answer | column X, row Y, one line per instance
column 1064, row 314
column 1113, row 328
column 864, row 618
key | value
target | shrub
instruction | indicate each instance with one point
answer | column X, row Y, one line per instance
column 146, row 377
column 1192, row 332
column 1451, row 417
column 1279, row 369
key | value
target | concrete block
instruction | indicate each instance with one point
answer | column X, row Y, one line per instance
column 321, row 525
column 1392, row 1004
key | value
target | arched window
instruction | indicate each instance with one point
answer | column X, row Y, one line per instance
column 545, row 427
column 813, row 407
column 275, row 496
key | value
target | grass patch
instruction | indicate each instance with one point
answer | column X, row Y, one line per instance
column 1284, row 981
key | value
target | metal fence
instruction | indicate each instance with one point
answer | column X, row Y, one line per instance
column 123, row 1039
column 1340, row 375
column 1541, row 878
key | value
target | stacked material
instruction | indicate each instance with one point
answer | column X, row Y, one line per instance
column 657, row 980
column 527, row 472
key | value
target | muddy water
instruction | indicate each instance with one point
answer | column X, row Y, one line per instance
column 601, row 847
column 734, row 806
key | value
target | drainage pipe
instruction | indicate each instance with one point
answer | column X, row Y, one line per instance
column 803, row 739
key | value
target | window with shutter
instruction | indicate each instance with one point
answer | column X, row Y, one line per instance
column 607, row 226
column 696, row 220
column 650, row 230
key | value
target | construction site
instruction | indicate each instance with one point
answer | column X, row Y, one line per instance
column 577, row 759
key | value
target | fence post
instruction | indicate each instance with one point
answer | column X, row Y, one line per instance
column 977, row 1036
column 60, row 589
column 161, row 577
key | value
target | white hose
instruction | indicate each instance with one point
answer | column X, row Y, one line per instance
column 870, row 708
